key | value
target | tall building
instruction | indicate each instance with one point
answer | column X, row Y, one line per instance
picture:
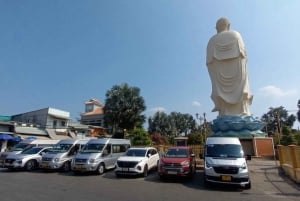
column 94, row 113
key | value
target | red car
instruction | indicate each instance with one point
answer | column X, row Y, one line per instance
column 177, row 161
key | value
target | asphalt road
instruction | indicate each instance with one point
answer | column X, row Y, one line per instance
column 267, row 184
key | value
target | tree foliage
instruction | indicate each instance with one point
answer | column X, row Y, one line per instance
column 140, row 137
column 276, row 118
column 123, row 108
column 171, row 125
column 298, row 113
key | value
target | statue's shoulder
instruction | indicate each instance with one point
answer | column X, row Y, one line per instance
column 230, row 34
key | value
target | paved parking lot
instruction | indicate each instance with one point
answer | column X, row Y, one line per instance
column 267, row 184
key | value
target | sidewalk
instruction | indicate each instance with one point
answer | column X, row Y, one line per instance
column 267, row 174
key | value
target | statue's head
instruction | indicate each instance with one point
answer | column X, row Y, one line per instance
column 222, row 24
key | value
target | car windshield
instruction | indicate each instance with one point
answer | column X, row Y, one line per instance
column 136, row 152
column 177, row 153
column 60, row 148
column 33, row 150
column 92, row 148
column 19, row 147
column 224, row 150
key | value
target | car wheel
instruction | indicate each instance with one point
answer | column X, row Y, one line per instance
column 66, row 166
column 248, row 186
column 145, row 173
column 100, row 169
column 206, row 183
column 30, row 165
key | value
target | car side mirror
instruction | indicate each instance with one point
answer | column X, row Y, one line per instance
column 201, row 156
column 148, row 155
column 248, row 157
column 192, row 155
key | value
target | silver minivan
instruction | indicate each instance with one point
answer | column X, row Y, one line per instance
column 225, row 163
column 99, row 155
column 61, row 155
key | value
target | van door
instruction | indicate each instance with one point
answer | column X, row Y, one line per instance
column 108, row 157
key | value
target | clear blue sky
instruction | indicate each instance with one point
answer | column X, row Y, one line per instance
column 62, row 53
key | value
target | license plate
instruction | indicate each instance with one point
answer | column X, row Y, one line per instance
column 172, row 172
column 225, row 178
column 78, row 167
column 125, row 169
column 43, row 165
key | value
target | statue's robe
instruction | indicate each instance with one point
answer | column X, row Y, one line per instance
column 227, row 66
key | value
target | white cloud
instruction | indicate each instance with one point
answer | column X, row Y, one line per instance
column 196, row 103
column 276, row 92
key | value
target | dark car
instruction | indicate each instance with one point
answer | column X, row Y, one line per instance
column 177, row 161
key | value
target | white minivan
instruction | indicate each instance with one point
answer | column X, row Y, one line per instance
column 225, row 163
column 61, row 155
column 99, row 155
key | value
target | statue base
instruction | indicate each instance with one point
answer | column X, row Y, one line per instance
column 237, row 126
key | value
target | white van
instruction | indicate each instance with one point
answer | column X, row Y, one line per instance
column 61, row 155
column 99, row 155
column 225, row 163
column 24, row 145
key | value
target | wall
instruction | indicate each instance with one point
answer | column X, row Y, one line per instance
column 289, row 158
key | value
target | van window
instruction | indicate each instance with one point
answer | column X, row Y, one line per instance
column 107, row 150
column 61, row 148
column 224, row 150
column 92, row 148
column 119, row 148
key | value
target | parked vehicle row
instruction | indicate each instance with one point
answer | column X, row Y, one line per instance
column 224, row 160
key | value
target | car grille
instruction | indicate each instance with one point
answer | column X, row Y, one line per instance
column 172, row 165
column 10, row 161
column 226, row 170
column 46, row 159
column 126, row 164
column 80, row 160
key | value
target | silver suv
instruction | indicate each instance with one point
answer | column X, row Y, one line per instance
column 28, row 159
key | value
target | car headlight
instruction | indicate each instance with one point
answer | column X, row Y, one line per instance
column 185, row 163
column 56, row 160
column 92, row 160
column 244, row 166
column 207, row 164
column 19, row 161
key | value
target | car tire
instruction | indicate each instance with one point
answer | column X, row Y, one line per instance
column 66, row 167
column 145, row 173
column 30, row 165
column 248, row 186
column 100, row 170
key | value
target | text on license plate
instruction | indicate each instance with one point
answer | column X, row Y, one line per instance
column 78, row 167
column 125, row 169
column 225, row 178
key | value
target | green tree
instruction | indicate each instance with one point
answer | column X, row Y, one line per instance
column 195, row 138
column 140, row 137
column 288, row 137
column 276, row 118
column 298, row 113
column 123, row 108
column 171, row 125
column 160, row 124
column 182, row 123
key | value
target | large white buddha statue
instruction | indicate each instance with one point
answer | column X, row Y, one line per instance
column 227, row 66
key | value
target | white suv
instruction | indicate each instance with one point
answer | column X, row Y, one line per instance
column 137, row 161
